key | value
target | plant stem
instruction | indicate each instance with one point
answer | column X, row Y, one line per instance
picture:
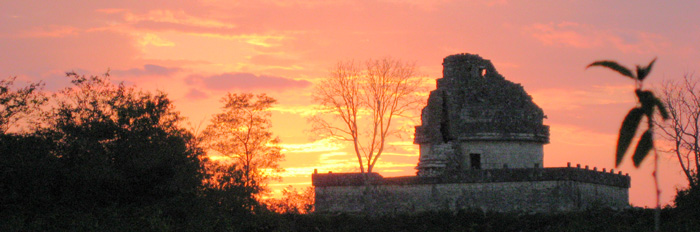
column 657, row 212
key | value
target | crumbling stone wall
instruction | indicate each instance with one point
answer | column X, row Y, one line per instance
column 473, row 102
column 471, row 99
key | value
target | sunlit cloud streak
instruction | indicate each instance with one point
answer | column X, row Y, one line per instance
column 147, row 70
column 585, row 36
column 304, row 111
column 323, row 145
column 246, row 81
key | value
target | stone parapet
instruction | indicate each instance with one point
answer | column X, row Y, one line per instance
column 478, row 176
column 345, row 179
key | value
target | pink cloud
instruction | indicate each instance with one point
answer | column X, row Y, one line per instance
column 246, row 81
column 567, row 34
column 95, row 51
column 46, row 31
column 195, row 94
column 147, row 70
column 584, row 36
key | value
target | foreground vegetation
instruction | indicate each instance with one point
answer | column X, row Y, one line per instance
column 198, row 217
column 103, row 157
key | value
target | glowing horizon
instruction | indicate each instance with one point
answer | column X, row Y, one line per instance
column 199, row 51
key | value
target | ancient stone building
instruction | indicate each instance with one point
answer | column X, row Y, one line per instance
column 476, row 119
column 481, row 146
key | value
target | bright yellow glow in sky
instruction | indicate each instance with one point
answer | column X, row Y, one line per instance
column 197, row 51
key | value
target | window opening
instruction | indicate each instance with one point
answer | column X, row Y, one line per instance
column 475, row 160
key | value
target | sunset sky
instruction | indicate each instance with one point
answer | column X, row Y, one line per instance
column 197, row 51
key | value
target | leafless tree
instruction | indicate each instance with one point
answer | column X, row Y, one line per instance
column 360, row 101
column 682, row 131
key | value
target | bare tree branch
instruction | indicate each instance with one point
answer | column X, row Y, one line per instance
column 682, row 100
column 371, row 95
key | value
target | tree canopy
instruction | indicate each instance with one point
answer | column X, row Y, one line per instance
column 242, row 133
column 118, row 144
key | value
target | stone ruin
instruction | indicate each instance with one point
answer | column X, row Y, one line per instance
column 481, row 146
column 473, row 105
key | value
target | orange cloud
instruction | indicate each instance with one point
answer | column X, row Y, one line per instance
column 246, row 81
column 323, row 145
column 176, row 18
column 152, row 39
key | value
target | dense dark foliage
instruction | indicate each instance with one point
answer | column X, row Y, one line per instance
column 633, row 219
column 109, row 157
column 687, row 200
column 120, row 146
column 29, row 174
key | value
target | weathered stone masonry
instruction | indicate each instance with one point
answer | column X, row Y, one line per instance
column 481, row 146
column 538, row 190
column 475, row 114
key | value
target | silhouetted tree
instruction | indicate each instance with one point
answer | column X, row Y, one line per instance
column 363, row 101
column 683, row 129
column 18, row 104
column 242, row 133
column 119, row 145
column 687, row 200
column 226, row 188
column 293, row 201
column 28, row 170
column 29, row 173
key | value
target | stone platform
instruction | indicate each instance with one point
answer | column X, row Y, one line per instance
column 500, row 190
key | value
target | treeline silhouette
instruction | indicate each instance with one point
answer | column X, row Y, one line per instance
column 106, row 157
column 103, row 157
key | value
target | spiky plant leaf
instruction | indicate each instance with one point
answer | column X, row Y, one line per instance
column 643, row 72
column 662, row 108
column 645, row 144
column 614, row 66
column 627, row 132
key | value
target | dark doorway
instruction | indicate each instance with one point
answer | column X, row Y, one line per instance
column 475, row 160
